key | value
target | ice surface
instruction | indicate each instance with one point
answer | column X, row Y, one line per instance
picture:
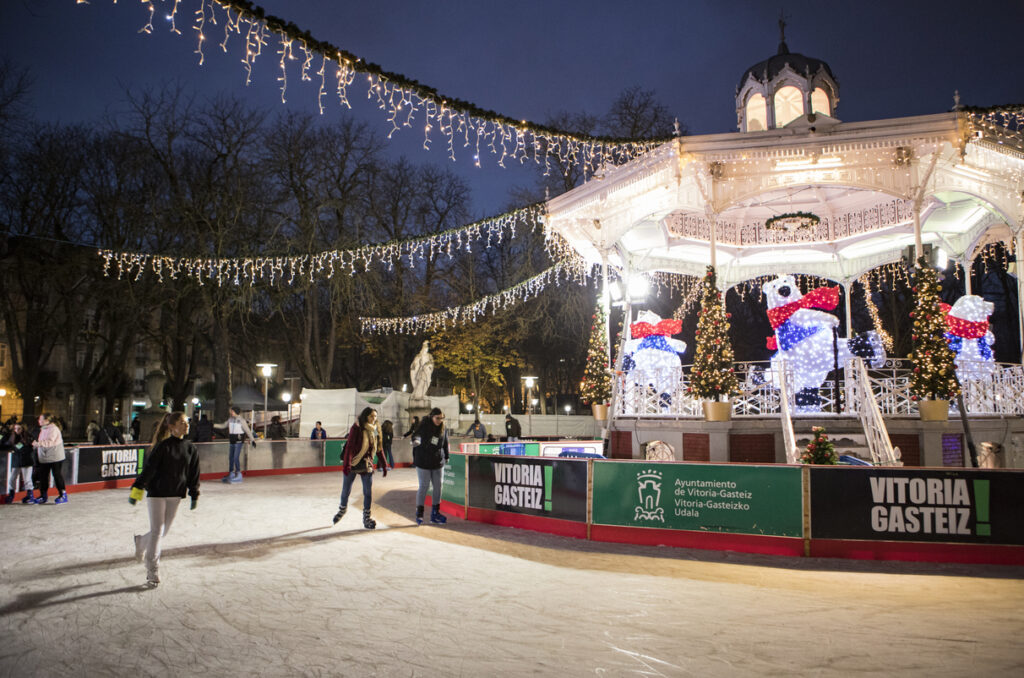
column 257, row 581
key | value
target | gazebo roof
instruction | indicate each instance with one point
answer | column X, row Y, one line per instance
column 861, row 181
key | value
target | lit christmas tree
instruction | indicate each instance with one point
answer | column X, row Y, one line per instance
column 934, row 376
column 712, row 376
column 820, row 450
column 596, row 386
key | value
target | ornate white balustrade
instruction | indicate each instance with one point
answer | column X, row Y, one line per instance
column 1001, row 392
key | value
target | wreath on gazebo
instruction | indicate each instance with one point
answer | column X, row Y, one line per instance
column 792, row 221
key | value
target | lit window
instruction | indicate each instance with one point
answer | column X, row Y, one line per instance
column 757, row 113
column 819, row 102
column 789, row 105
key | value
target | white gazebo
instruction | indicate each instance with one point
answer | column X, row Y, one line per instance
column 797, row 191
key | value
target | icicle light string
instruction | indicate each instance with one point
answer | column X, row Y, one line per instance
column 569, row 270
column 250, row 270
column 400, row 98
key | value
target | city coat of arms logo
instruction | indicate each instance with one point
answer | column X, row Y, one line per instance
column 648, row 487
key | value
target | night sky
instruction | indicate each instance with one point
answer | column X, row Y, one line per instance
column 528, row 59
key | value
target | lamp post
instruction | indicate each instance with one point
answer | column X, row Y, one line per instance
column 267, row 369
column 287, row 398
column 530, row 383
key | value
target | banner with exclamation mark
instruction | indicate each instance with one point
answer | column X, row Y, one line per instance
column 982, row 525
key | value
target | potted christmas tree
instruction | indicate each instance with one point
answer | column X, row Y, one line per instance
column 933, row 383
column 713, row 378
column 820, row 450
column 596, row 387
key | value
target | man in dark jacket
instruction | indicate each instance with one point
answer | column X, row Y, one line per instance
column 204, row 430
column 512, row 428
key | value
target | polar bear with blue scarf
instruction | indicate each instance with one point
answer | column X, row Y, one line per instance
column 651, row 359
column 804, row 338
column 970, row 337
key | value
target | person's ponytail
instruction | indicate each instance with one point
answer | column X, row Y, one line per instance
column 163, row 431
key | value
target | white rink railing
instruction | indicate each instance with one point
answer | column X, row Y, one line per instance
column 1000, row 392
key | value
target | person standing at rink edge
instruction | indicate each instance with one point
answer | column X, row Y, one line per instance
column 169, row 469
column 429, row 454
column 238, row 434
column 49, row 447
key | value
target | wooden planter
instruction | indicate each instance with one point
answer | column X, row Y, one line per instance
column 716, row 410
column 933, row 410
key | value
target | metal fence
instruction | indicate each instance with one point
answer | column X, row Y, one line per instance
column 663, row 393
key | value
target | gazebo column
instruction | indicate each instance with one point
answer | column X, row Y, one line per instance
column 606, row 305
column 847, row 297
column 966, row 263
column 1018, row 246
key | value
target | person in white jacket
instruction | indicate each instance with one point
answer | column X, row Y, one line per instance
column 238, row 434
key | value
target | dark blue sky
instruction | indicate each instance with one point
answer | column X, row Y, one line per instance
column 526, row 59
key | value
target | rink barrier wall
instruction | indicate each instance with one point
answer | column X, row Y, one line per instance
column 916, row 514
column 971, row 515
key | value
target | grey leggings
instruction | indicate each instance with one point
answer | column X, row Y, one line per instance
column 426, row 477
column 161, row 514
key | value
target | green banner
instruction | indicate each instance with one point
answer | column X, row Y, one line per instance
column 737, row 499
column 453, row 480
column 332, row 451
column 517, row 449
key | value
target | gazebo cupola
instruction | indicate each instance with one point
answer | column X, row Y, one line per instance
column 785, row 88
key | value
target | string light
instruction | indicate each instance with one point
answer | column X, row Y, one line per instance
column 403, row 99
column 249, row 270
column 574, row 270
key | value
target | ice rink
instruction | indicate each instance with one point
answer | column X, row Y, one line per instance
column 257, row 581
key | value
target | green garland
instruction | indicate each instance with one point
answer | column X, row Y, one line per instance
column 812, row 219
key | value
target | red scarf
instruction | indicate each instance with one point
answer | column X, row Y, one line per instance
column 826, row 298
column 665, row 328
column 966, row 329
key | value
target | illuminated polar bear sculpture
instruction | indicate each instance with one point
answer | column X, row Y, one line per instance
column 651, row 360
column 803, row 337
column 970, row 337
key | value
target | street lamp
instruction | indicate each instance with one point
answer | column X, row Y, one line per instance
column 469, row 408
column 287, row 398
column 530, row 383
column 267, row 369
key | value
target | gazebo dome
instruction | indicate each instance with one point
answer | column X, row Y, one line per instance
column 783, row 88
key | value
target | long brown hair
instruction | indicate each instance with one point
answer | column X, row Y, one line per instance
column 163, row 431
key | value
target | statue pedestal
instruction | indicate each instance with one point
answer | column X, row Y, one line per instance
column 418, row 407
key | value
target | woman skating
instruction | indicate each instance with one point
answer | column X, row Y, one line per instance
column 361, row 447
column 169, row 469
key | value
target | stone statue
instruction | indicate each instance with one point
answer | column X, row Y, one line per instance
column 420, row 371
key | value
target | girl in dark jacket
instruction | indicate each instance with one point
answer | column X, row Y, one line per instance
column 361, row 446
column 387, row 435
column 429, row 454
column 19, row 443
column 169, row 469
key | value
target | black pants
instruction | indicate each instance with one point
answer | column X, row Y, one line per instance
column 42, row 476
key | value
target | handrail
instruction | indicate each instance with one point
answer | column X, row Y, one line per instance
column 788, row 436
column 864, row 403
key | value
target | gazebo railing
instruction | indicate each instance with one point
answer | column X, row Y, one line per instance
column 662, row 393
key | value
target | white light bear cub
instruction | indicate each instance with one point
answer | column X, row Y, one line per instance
column 651, row 361
column 804, row 339
column 970, row 337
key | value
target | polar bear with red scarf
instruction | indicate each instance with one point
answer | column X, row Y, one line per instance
column 970, row 337
column 804, row 337
column 651, row 361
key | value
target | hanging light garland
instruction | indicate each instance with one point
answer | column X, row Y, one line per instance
column 574, row 269
column 405, row 102
column 1004, row 122
column 273, row 269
